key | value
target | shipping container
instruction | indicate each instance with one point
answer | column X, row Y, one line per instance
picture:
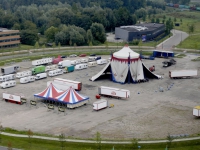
column 113, row 92
column 38, row 69
column 74, row 84
column 100, row 104
column 9, row 69
column 177, row 74
column 69, row 69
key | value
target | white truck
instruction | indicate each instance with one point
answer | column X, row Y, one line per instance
column 178, row 74
column 81, row 66
column 74, row 84
column 27, row 79
column 196, row 111
column 51, row 67
column 14, row 98
column 113, row 92
column 100, row 104
column 7, row 77
column 24, row 74
column 64, row 63
column 55, row 72
column 59, row 86
column 9, row 69
column 42, row 61
column 41, row 76
column 8, row 84
column 101, row 61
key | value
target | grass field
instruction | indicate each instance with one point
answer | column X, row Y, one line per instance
column 38, row 144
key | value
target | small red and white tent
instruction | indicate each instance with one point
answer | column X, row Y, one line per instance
column 50, row 92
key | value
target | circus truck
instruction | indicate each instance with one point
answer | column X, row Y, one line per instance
column 113, row 92
column 14, row 98
column 74, row 84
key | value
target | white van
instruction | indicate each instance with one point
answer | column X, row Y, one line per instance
column 27, row 79
column 81, row 66
column 24, row 74
column 101, row 61
column 55, row 72
column 7, row 77
column 8, row 84
column 92, row 64
column 40, row 76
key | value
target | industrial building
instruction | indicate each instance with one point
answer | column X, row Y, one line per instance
column 144, row 31
column 9, row 38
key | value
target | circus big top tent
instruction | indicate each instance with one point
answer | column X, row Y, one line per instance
column 70, row 96
column 126, row 66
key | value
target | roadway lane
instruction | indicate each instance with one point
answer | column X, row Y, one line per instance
column 174, row 40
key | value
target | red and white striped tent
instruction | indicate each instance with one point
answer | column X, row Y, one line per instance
column 70, row 96
column 49, row 93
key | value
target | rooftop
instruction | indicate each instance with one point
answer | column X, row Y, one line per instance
column 142, row 27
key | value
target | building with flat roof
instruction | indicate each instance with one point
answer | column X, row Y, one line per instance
column 144, row 31
column 9, row 38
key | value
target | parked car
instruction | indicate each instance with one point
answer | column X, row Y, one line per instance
column 73, row 55
column 82, row 55
column 92, row 54
column 63, row 56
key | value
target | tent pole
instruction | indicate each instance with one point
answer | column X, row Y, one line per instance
column 129, row 68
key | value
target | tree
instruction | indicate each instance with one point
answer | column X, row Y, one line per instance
column 9, row 145
column 50, row 33
column 134, row 144
column 30, row 135
column 89, row 36
column 29, row 37
column 153, row 20
column 191, row 28
column 169, row 140
column 62, row 141
column 98, row 32
column 36, row 46
column 98, row 140
column 157, row 20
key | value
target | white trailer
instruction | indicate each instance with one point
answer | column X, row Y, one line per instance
column 27, row 79
column 8, row 84
column 59, row 86
column 41, row 76
column 74, row 84
column 14, row 98
column 73, row 62
column 176, row 74
column 7, row 77
column 100, row 104
column 51, row 67
column 92, row 64
column 84, row 61
column 81, row 66
column 78, row 61
column 9, row 69
column 113, row 92
column 24, row 74
column 42, row 61
column 196, row 111
column 55, row 72
column 64, row 63
column 101, row 61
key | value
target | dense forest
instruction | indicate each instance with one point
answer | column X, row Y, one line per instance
column 73, row 22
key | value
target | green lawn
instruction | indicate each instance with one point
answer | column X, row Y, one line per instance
column 37, row 144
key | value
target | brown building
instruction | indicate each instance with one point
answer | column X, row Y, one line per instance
column 9, row 38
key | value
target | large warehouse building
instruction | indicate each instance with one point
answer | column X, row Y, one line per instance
column 9, row 38
column 145, row 31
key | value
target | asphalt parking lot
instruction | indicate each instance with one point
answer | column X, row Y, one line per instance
column 147, row 114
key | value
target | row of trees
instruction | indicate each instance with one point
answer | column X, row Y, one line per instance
column 182, row 2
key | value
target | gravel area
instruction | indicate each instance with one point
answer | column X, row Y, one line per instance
column 147, row 114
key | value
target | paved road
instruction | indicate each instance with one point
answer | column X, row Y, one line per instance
column 6, row 148
column 174, row 40
column 105, row 142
